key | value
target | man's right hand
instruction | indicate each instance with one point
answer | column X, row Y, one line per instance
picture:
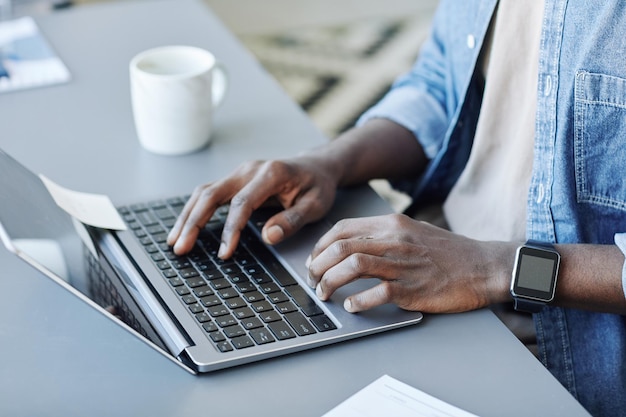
column 304, row 189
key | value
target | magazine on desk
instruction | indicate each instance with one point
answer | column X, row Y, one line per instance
column 26, row 58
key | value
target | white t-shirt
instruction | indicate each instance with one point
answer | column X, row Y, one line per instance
column 488, row 202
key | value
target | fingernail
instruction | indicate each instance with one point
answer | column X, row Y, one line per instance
column 310, row 282
column 307, row 263
column 318, row 291
column 273, row 234
column 222, row 251
column 347, row 305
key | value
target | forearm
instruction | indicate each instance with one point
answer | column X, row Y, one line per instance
column 590, row 278
column 378, row 149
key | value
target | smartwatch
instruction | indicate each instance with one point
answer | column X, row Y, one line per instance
column 534, row 276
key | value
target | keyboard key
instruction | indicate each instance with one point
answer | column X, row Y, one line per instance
column 218, row 311
column 210, row 326
column 227, row 293
column 235, row 303
column 210, row 301
column 262, row 306
column 188, row 273
column 151, row 249
column 262, row 336
column 160, row 238
column 300, row 324
column 163, row 213
column 157, row 257
column 323, row 323
column 245, row 287
column 206, row 265
column 146, row 218
column 220, row 283
column 234, row 331
column 286, row 307
column 253, row 296
column 188, row 299
column 243, row 313
column 196, row 308
column 212, row 274
column 202, row 291
column 270, row 316
column 169, row 273
column 281, row 330
column 203, row 317
column 226, row 321
column 239, row 278
column 153, row 230
column 230, row 269
column 196, row 282
column 182, row 290
column 181, row 263
column 251, row 323
column 302, row 299
column 278, row 297
column 242, row 342
column 261, row 278
column 176, row 282
column 224, row 346
column 269, row 288
column 217, row 336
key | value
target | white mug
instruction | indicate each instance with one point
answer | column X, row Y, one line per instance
column 174, row 91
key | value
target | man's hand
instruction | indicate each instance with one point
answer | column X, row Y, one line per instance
column 304, row 189
column 421, row 267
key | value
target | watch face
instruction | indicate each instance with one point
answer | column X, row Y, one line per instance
column 535, row 273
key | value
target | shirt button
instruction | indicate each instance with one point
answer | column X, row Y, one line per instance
column 471, row 41
column 547, row 88
column 540, row 193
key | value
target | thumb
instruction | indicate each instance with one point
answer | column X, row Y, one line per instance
column 289, row 221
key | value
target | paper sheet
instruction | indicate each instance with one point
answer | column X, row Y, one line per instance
column 92, row 209
column 26, row 58
column 389, row 397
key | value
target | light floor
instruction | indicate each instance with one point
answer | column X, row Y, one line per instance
column 261, row 16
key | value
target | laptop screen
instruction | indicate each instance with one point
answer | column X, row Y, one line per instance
column 36, row 229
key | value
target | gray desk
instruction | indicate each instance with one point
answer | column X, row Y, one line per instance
column 59, row 357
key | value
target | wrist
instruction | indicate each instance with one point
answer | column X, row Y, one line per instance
column 501, row 257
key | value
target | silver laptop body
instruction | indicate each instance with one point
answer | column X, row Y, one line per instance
column 122, row 275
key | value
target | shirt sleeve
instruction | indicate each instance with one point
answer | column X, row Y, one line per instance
column 417, row 99
column 620, row 241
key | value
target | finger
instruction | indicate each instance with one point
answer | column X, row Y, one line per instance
column 355, row 266
column 177, row 228
column 284, row 224
column 346, row 229
column 256, row 192
column 197, row 212
column 344, row 246
column 372, row 297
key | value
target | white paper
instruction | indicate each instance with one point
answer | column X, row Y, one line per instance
column 92, row 209
column 389, row 397
column 26, row 58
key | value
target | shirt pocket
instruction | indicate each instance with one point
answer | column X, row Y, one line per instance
column 600, row 139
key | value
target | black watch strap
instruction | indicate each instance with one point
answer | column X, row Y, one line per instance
column 528, row 306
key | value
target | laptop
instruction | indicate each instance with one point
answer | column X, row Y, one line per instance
column 202, row 313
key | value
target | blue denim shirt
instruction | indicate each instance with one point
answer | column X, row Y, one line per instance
column 577, row 192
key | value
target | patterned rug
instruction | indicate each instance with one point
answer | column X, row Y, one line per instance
column 335, row 73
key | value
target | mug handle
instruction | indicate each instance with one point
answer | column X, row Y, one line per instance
column 219, row 85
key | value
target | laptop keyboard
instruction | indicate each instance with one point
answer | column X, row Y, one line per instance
column 247, row 300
